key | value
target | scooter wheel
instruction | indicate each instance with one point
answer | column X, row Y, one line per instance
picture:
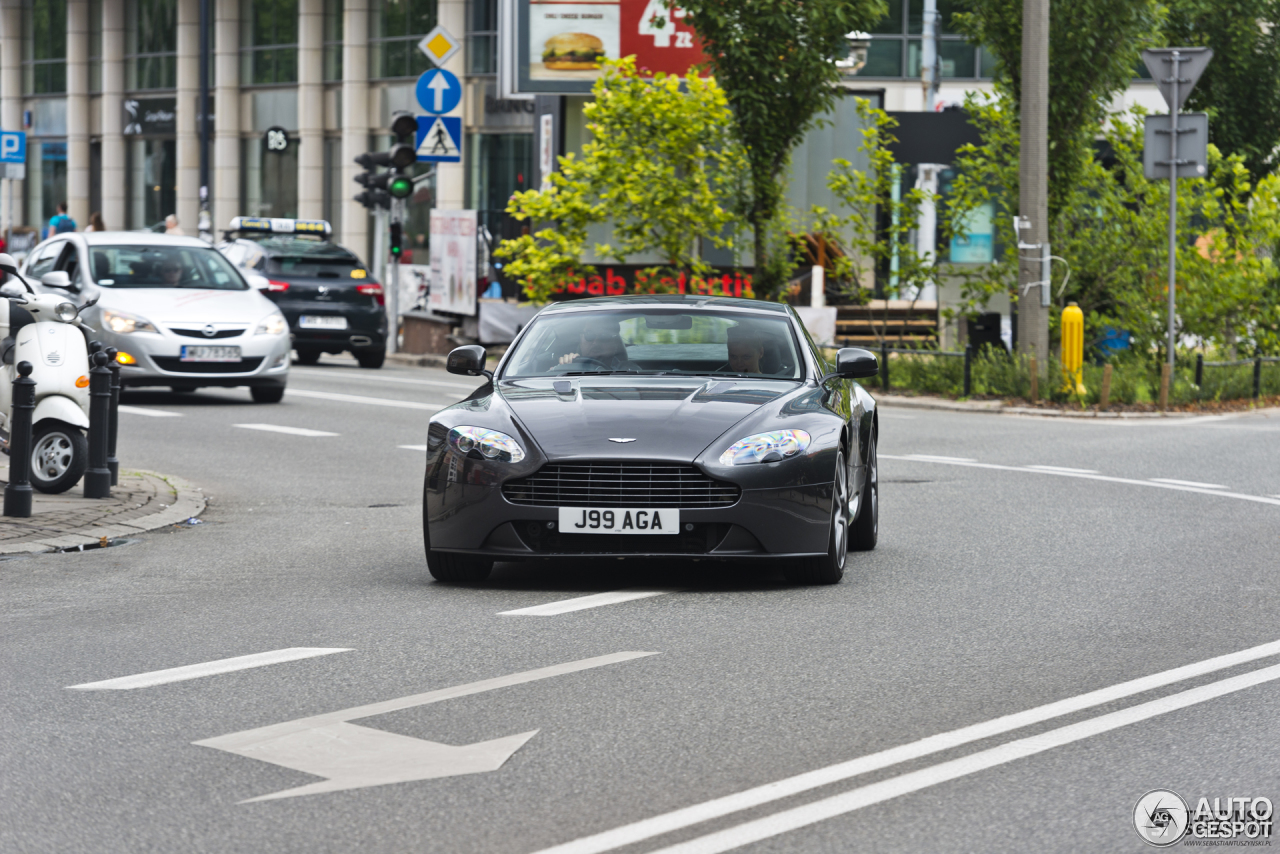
column 59, row 456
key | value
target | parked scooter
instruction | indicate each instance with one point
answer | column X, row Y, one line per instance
column 46, row 330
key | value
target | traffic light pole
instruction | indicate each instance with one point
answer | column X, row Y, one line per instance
column 393, row 285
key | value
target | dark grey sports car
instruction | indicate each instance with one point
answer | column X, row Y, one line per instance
column 661, row 426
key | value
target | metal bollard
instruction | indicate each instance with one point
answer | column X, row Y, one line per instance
column 113, row 423
column 97, row 478
column 1199, row 369
column 884, row 367
column 968, row 368
column 18, row 493
column 1257, row 377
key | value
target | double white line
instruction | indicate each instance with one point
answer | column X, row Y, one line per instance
column 791, row 819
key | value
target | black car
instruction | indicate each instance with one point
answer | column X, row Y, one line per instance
column 669, row 426
column 325, row 292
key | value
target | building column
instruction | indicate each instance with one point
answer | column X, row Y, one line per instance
column 78, row 111
column 113, row 141
column 11, row 95
column 226, row 111
column 188, row 160
column 451, row 177
column 311, row 109
column 355, row 123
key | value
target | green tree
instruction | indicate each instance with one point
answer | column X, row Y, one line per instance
column 775, row 60
column 662, row 167
column 1240, row 89
column 1095, row 48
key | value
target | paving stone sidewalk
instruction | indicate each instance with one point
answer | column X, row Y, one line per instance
column 142, row 501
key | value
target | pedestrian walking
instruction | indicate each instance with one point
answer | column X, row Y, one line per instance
column 95, row 222
column 60, row 223
column 171, row 225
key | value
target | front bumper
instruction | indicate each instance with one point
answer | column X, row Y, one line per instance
column 264, row 360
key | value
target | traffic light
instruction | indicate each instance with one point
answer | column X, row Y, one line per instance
column 400, row 186
column 397, row 234
column 380, row 189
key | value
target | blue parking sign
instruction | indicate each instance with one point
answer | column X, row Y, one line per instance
column 13, row 147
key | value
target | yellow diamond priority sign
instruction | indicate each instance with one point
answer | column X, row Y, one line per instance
column 439, row 45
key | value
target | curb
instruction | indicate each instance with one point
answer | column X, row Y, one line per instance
column 188, row 501
column 998, row 407
column 418, row 360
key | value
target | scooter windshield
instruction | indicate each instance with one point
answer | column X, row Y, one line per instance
column 163, row 267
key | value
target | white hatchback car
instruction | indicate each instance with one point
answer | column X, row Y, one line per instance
column 177, row 311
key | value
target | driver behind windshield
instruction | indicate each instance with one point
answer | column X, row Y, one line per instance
column 601, row 344
column 746, row 349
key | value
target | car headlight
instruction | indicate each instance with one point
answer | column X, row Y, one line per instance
column 124, row 323
column 66, row 312
column 765, row 447
column 490, row 444
column 273, row 325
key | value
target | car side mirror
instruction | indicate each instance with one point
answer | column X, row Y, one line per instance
column 56, row 279
column 468, row 361
column 855, row 363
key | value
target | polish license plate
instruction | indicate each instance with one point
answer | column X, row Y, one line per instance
column 210, row 354
column 619, row 520
column 311, row 321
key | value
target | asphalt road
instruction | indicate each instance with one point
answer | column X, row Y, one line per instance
column 997, row 588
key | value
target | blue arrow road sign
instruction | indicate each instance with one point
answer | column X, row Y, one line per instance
column 439, row 139
column 438, row 91
column 13, row 147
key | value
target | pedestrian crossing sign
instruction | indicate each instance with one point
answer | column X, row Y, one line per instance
column 439, row 139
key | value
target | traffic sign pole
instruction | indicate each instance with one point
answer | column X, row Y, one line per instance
column 1176, row 60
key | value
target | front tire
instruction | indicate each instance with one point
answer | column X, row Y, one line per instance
column 866, row 528
column 307, row 356
column 371, row 358
column 267, row 393
column 59, row 456
column 829, row 568
column 446, row 566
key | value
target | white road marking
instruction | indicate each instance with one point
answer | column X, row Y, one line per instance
column 933, row 458
column 688, row 816
column 367, row 401
column 1259, row 499
column 582, row 603
column 154, row 413
column 1188, row 483
column 865, row 796
column 209, row 668
column 293, row 431
column 413, row 447
column 1065, row 469
column 353, row 757
column 367, row 376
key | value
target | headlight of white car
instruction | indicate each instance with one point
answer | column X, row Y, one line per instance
column 490, row 444
column 124, row 323
column 273, row 325
column 765, row 447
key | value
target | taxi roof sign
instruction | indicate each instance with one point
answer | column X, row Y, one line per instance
column 275, row 225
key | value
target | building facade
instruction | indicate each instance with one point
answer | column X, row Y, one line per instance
column 108, row 94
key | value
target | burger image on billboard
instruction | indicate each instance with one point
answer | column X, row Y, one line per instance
column 573, row 52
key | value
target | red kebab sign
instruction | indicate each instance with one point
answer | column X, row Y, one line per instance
column 563, row 42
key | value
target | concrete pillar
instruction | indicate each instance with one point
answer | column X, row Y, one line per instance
column 311, row 109
column 355, row 123
column 78, row 111
column 226, row 111
column 11, row 96
column 188, row 145
column 113, row 142
column 451, row 177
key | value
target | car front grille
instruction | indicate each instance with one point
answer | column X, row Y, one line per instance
column 620, row 484
column 701, row 540
column 199, row 333
column 177, row 366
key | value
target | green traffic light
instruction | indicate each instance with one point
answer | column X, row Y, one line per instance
column 401, row 187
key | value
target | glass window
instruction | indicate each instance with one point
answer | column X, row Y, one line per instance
column 45, row 46
column 892, row 22
column 151, row 44
column 397, row 27
column 333, row 24
column 955, row 58
column 946, row 8
column 269, row 179
column 500, row 164
column 95, row 45
column 312, row 259
column 269, row 35
column 153, row 182
column 656, row 341
column 482, row 36
column 43, row 259
column 986, row 63
column 46, row 182
column 163, row 267
column 884, row 59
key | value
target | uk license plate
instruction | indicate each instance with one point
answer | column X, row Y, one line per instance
column 191, row 353
column 312, row 321
column 619, row 520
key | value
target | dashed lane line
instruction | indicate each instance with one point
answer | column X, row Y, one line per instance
column 718, row 807
column 413, row 447
column 208, row 668
column 154, row 413
column 292, row 431
column 367, row 401
column 1153, row 484
column 1065, row 469
column 582, row 603
column 937, row 459
column 1188, row 483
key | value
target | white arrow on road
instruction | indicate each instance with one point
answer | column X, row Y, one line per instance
column 438, row 86
column 355, row 757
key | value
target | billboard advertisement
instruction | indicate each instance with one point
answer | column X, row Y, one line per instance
column 453, row 262
column 560, row 43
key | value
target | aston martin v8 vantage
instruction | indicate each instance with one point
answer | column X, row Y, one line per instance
column 660, row 426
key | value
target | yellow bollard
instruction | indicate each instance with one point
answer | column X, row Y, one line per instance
column 1073, row 349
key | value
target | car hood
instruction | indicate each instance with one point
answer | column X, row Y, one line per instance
column 669, row 418
column 188, row 305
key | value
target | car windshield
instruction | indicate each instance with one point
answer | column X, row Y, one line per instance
column 163, row 267
column 656, row 342
column 310, row 258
